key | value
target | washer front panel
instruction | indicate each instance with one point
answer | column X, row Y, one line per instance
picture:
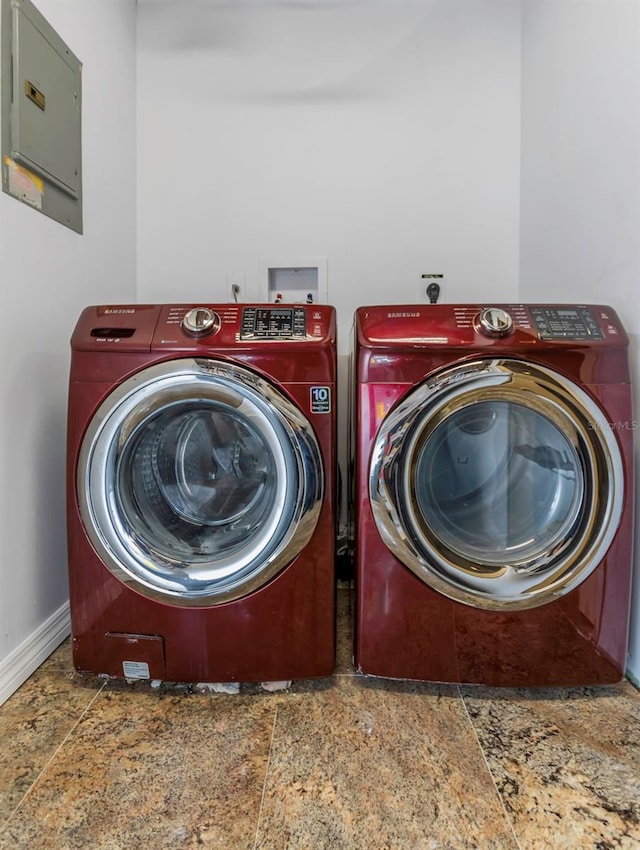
column 499, row 483
column 198, row 481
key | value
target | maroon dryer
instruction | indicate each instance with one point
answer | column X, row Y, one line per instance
column 201, row 457
column 494, row 493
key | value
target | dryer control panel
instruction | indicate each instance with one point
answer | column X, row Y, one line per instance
column 566, row 323
column 499, row 326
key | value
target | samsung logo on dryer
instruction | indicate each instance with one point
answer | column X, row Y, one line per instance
column 119, row 310
column 403, row 315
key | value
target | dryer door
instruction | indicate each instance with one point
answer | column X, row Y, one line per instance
column 498, row 483
column 198, row 481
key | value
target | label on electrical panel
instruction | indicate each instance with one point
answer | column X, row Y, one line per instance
column 135, row 669
column 321, row 399
column 23, row 184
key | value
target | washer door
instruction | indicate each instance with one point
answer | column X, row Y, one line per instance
column 498, row 483
column 198, row 481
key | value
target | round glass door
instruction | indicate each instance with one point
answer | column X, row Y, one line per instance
column 198, row 481
column 498, row 483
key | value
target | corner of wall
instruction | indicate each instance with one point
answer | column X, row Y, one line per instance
column 16, row 668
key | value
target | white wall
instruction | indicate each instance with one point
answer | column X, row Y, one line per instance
column 381, row 135
column 580, row 187
column 48, row 274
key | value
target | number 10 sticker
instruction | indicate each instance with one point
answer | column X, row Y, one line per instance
column 321, row 399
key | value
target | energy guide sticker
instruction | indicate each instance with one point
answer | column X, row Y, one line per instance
column 321, row 399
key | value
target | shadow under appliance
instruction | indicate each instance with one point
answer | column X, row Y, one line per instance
column 201, row 457
column 494, row 493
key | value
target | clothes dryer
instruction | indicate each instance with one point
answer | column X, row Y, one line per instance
column 494, row 493
column 201, row 491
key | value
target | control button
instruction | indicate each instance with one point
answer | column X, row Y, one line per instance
column 201, row 321
column 494, row 321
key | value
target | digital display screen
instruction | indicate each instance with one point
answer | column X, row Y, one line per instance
column 273, row 323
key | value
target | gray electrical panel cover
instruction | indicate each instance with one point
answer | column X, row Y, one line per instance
column 41, row 115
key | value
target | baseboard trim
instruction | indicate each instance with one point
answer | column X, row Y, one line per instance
column 633, row 678
column 24, row 659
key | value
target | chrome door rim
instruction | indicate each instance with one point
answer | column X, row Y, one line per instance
column 521, row 583
column 281, row 425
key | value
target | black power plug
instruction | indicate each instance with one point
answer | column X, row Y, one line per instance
column 433, row 293
column 433, row 283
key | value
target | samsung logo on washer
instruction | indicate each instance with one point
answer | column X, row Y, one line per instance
column 403, row 315
column 114, row 310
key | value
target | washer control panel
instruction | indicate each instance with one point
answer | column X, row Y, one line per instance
column 204, row 328
column 273, row 323
column 566, row 323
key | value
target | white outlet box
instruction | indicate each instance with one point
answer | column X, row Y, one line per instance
column 425, row 282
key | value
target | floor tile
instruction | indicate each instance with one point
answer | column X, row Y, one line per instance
column 152, row 770
column 372, row 765
column 345, row 763
column 61, row 658
column 566, row 762
column 33, row 724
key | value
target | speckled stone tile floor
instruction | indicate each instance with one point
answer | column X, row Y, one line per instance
column 346, row 762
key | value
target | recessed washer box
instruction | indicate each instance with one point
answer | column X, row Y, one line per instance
column 41, row 115
column 294, row 279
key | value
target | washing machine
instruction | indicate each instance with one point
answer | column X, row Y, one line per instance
column 494, row 493
column 201, row 492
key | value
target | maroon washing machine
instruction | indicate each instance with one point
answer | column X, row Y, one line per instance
column 201, row 492
column 494, row 493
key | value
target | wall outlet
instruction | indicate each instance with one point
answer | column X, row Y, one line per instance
column 430, row 287
column 236, row 286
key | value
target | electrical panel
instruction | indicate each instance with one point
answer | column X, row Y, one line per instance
column 41, row 117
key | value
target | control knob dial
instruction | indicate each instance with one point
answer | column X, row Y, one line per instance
column 201, row 321
column 494, row 321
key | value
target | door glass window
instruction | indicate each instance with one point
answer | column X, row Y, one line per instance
column 196, row 481
column 498, row 481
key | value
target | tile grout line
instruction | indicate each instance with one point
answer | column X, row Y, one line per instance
column 52, row 757
column 266, row 777
column 493, row 780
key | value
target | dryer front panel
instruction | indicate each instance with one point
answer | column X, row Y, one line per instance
column 198, row 482
column 499, row 483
